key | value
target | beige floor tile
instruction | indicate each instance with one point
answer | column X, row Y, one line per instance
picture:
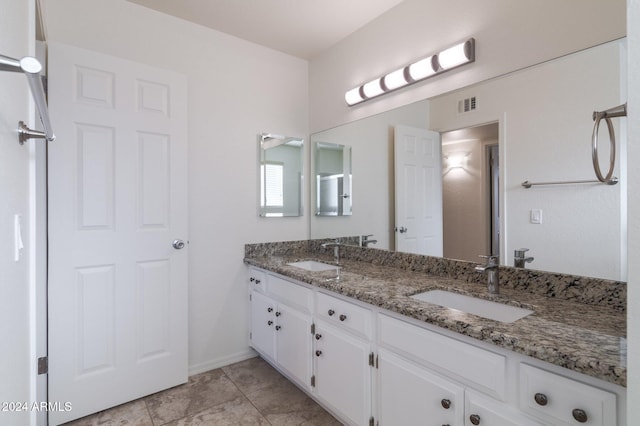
column 236, row 412
column 252, row 374
column 133, row 413
column 203, row 391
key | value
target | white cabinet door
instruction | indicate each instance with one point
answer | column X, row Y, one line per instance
column 410, row 395
column 482, row 410
column 263, row 324
column 343, row 373
column 293, row 342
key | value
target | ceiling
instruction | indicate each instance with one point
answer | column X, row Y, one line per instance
column 302, row 28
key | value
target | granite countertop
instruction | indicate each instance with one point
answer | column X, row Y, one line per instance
column 586, row 338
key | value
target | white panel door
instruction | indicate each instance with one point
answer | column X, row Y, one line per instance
column 418, row 186
column 293, row 343
column 117, row 200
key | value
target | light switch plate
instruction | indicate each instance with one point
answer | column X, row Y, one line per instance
column 536, row 216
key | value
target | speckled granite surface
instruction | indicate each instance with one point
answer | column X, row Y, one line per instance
column 578, row 323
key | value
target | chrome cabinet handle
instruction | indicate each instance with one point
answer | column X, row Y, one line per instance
column 475, row 419
column 269, row 309
column 541, row 399
column 331, row 312
column 401, row 230
column 278, row 314
column 178, row 244
column 318, row 353
column 278, row 327
column 343, row 317
column 446, row 404
column 318, row 336
column 269, row 322
column 580, row 415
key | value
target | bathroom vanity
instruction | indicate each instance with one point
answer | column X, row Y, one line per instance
column 356, row 341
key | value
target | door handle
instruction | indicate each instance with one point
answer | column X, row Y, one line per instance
column 178, row 244
column 402, row 229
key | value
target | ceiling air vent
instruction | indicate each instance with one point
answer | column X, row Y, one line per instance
column 467, row 105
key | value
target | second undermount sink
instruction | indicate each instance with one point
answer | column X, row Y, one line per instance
column 312, row 265
column 473, row 305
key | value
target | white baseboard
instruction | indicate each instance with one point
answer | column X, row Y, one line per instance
column 221, row 362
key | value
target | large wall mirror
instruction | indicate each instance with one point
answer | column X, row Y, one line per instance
column 281, row 175
column 540, row 126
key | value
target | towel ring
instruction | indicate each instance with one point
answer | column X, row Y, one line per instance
column 619, row 111
column 594, row 147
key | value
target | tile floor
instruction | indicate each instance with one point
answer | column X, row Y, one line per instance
column 250, row 392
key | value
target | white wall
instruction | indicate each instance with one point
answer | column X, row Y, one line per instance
column 546, row 126
column 508, row 36
column 236, row 90
column 371, row 141
column 633, row 123
column 16, row 40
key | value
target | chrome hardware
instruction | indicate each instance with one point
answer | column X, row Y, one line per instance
column 343, row 317
column 491, row 268
column 336, row 249
column 252, row 279
column 178, row 244
column 579, row 415
column 345, row 196
column 365, row 241
column 257, row 281
column 518, row 257
column 318, row 336
column 269, row 309
column 331, row 312
column 474, row 419
column 541, row 399
column 619, row 111
column 446, row 404
column 278, row 327
column 401, row 230
column 269, row 322
column 278, row 313
column 318, row 353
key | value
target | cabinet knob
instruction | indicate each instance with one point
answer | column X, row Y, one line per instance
column 318, row 353
column 446, row 404
column 252, row 279
column 475, row 419
column 318, row 336
column 269, row 322
column 269, row 309
column 331, row 312
column 541, row 399
column 579, row 415
column 257, row 281
column 278, row 314
column 343, row 317
column 278, row 327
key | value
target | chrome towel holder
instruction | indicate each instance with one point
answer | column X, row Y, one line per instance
column 31, row 68
column 609, row 179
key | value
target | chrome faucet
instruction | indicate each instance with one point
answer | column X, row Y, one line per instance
column 336, row 249
column 491, row 268
column 365, row 241
column 518, row 258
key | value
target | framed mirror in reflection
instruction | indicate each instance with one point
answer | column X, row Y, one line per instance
column 281, row 181
column 333, row 179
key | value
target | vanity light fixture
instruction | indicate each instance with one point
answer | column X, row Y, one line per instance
column 452, row 57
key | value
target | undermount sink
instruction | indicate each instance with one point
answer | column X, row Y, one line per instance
column 473, row 305
column 312, row 265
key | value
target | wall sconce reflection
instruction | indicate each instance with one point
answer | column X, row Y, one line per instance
column 457, row 160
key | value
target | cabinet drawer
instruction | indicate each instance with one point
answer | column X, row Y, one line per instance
column 348, row 315
column 257, row 279
column 554, row 398
column 290, row 293
column 468, row 363
column 485, row 411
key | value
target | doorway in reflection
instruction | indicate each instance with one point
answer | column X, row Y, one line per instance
column 470, row 192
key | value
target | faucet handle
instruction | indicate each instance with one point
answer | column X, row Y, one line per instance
column 491, row 259
column 520, row 252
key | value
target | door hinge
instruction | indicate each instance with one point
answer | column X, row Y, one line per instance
column 371, row 359
column 313, row 328
column 313, row 381
column 250, row 299
column 376, row 361
column 250, row 335
column 371, row 421
column 43, row 365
